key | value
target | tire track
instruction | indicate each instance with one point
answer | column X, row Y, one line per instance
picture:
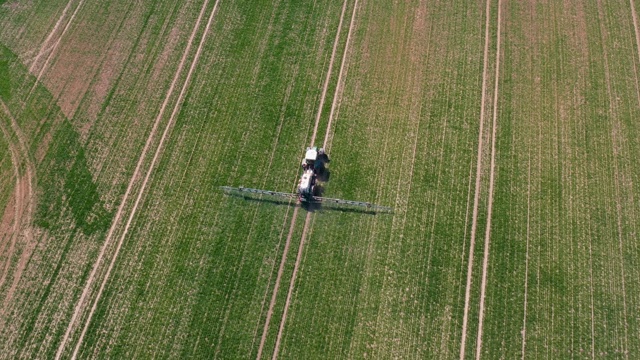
column 340, row 77
column 80, row 305
column 43, row 47
column 476, row 198
column 329, row 71
column 487, row 236
column 287, row 245
column 308, row 217
column 23, row 212
column 54, row 48
column 17, row 209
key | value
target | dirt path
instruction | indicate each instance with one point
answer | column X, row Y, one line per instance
column 476, row 198
column 23, row 203
column 10, row 225
column 55, row 45
column 80, row 305
column 307, row 221
column 487, row 236
column 323, row 96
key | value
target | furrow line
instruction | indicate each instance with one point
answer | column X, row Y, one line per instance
column 615, row 143
column 284, row 223
column 291, row 286
column 476, row 198
column 487, row 236
column 526, row 259
column 136, row 174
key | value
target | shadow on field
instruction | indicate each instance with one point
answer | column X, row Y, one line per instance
column 308, row 206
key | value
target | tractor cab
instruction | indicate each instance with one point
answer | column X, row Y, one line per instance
column 315, row 159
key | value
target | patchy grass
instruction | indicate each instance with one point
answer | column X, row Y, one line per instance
column 196, row 272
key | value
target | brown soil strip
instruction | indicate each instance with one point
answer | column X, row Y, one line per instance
column 487, row 236
column 80, row 305
column 51, row 33
column 11, row 224
column 476, row 199
column 295, row 213
column 23, row 203
column 53, row 50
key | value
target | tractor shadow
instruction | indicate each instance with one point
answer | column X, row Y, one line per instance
column 324, row 176
column 308, row 206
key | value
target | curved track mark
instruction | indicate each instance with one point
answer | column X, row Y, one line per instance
column 12, row 231
column 23, row 211
column 476, row 198
column 85, row 292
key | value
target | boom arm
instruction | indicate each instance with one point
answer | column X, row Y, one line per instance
column 353, row 203
column 315, row 198
column 258, row 191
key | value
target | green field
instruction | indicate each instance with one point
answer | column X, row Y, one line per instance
column 505, row 141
